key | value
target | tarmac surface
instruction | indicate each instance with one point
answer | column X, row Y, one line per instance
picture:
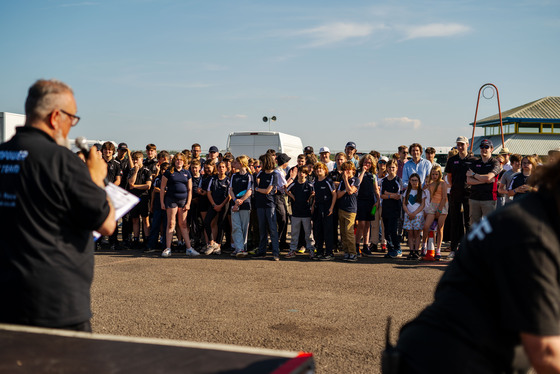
column 336, row 310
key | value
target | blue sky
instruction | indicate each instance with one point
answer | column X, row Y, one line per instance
column 379, row 73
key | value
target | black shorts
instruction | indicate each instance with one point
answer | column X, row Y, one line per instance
column 203, row 204
column 364, row 210
column 141, row 209
column 173, row 203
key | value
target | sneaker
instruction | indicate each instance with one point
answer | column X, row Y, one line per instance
column 301, row 250
column 327, row 258
column 209, row 249
column 291, row 254
column 191, row 252
column 253, row 251
column 383, row 248
column 166, row 252
column 276, row 258
column 451, row 255
column 217, row 251
column 352, row 258
column 315, row 257
column 345, row 258
column 241, row 254
column 413, row 255
column 366, row 252
column 234, row 253
column 259, row 255
column 437, row 257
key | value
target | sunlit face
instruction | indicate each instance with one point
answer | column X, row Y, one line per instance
column 208, row 169
column 222, row 168
column 462, row 147
column 325, row 156
column 340, row 160
column 392, row 169
column 415, row 153
column 486, row 150
column 350, row 151
column 320, row 172
column 137, row 161
column 515, row 165
column 382, row 166
column 415, row 182
column 300, row 161
column 526, row 165
column 435, row 174
column 152, row 153
column 403, row 154
column 302, row 174
column 430, row 156
column 195, row 169
column 108, row 153
column 179, row 163
column 196, row 151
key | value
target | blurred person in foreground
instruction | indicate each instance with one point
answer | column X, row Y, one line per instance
column 55, row 201
column 498, row 303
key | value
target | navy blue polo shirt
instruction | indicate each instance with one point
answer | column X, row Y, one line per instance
column 240, row 184
column 265, row 180
column 323, row 192
column 219, row 188
column 177, row 184
column 302, row 193
column 349, row 203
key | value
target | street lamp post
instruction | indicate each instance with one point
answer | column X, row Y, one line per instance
column 269, row 119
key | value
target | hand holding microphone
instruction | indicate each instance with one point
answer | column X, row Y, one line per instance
column 95, row 163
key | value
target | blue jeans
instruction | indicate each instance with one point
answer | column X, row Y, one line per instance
column 158, row 217
column 391, row 225
column 240, row 228
column 267, row 223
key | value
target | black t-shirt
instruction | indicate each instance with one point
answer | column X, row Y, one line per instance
column 323, row 192
column 113, row 170
column 518, row 180
column 505, row 279
column 151, row 165
column 486, row 191
column 219, row 188
column 196, row 183
column 458, row 167
column 50, row 206
column 142, row 177
column 302, row 192
column 391, row 207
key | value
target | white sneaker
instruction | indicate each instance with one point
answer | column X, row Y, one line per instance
column 217, row 251
column 166, row 252
column 241, row 254
column 191, row 252
column 208, row 249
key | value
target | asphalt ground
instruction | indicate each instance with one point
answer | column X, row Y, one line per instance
column 336, row 310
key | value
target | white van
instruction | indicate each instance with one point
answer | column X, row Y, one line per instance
column 256, row 143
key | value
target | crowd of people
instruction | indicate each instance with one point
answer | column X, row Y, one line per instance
column 357, row 205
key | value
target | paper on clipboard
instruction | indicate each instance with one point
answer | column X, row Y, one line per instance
column 122, row 201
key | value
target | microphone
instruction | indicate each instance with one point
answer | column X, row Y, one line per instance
column 81, row 143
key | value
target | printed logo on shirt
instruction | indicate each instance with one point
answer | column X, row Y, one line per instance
column 480, row 230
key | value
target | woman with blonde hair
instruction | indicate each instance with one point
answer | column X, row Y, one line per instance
column 175, row 196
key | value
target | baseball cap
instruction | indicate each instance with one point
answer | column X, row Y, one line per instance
column 384, row 159
column 504, row 151
column 462, row 139
column 282, row 158
column 351, row 144
column 122, row 146
column 487, row 142
column 308, row 149
column 324, row 150
column 213, row 149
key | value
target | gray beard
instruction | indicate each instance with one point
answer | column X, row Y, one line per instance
column 60, row 139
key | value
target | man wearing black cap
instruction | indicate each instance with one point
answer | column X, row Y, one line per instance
column 213, row 154
column 350, row 151
column 308, row 150
column 483, row 179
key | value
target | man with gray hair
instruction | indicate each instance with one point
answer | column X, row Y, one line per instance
column 56, row 201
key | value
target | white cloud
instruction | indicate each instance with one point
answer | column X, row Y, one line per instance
column 394, row 123
column 436, row 30
column 337, row 32
column 235, row 116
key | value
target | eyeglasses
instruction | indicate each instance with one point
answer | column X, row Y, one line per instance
column 75, row 119
column 484, row 147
